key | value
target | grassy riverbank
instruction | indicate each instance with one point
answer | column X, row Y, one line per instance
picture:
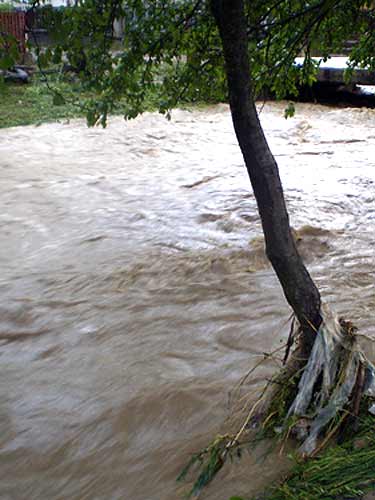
column 344, row 471
column 34, row 103
column 31, row 104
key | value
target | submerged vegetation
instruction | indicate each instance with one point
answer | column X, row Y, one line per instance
column 326, row 401
column 342, row 471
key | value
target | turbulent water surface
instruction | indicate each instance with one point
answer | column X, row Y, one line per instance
column 135, row 292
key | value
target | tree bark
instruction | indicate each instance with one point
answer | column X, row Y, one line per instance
column 299, row 289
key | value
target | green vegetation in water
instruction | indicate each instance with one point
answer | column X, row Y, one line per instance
column 335, row 411
column 341, row 472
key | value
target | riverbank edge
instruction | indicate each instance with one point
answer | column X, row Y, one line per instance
column 33, row 104
column 342, row 471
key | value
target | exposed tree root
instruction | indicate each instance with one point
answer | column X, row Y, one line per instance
column 312, row 404
column 331, row 386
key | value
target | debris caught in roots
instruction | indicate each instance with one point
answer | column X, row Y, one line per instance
column 334, row 380
column 313, row 404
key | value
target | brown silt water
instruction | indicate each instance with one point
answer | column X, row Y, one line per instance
column 135, row 290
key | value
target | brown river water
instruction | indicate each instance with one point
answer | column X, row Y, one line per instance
column 135, row 292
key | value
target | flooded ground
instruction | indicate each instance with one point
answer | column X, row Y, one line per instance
column 135, row 292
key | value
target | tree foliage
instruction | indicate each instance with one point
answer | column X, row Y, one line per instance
column 173, row 48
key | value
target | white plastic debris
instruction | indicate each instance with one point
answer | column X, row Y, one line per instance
column 336, row 384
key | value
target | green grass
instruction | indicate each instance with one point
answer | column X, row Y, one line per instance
column 26, row 104
column 340, row 472
column 34, row 103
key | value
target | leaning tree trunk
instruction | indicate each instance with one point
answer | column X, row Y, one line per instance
column 299, row 289
column 312, row 401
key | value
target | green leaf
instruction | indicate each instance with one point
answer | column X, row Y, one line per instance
column 57, row 55
column 58, row 99
column 6, row 62
column 289, row 110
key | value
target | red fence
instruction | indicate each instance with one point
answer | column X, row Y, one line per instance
column 13, row 23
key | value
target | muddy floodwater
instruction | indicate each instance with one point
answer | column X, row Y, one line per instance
column 135, row 292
